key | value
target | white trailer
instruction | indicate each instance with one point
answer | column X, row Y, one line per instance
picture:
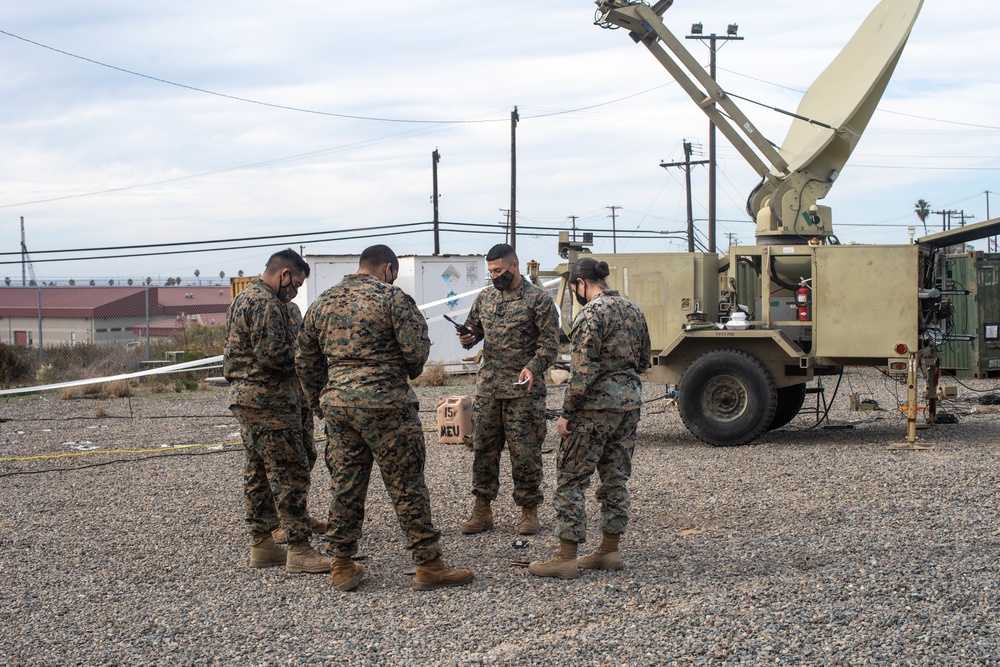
column 443, row 281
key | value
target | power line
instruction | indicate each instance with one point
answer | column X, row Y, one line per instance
column 286, row 107
column 236, row 240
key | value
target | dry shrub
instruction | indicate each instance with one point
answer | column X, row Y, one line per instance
column 99, row 411
column 116, row 389
column 433, row 376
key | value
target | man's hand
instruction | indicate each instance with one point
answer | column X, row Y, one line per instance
column 467, row 340
column 526, row 379
column 562, row 426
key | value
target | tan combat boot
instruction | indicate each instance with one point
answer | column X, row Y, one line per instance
column 562, row 566
column 303, row 558
column 529, row 521
column 265, row 553
column 481, row 519
column 606, row 557
column 436, row 574
column 346, row 574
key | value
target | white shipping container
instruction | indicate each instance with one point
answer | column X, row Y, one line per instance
column 429, row 279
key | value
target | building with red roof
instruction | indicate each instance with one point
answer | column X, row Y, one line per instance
column 100, row 315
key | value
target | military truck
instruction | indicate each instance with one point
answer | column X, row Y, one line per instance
column 742, row 334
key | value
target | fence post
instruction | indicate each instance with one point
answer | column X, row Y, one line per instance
column 147, row 322
column 41, row 346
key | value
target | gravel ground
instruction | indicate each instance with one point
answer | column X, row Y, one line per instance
column 811, row 546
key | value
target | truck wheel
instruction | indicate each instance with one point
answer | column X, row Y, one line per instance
column 790, row 400
column 727, row 398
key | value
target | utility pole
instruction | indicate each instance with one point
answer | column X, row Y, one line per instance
column 506, row 225
column 24, row 254
column 573, row 218
column 614, row 235
column 991, row 244
column 732, row 236
column 687, row 178
column 513, row 178
column 713, row 39
column 435, row 158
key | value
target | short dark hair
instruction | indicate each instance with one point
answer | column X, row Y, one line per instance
column 287, row 259
column 590, row 269
column 501, row 251
column 377, row 255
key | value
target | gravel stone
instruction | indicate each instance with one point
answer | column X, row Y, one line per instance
column 810, row 546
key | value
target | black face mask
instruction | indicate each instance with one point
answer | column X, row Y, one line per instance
column 582, row 300
column 388, row 276
column 290, row 287
column 503, row 281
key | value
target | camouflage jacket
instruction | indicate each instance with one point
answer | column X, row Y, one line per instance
column 520, row 329
column 360, row 341
column 611, row 349
column 259, row 358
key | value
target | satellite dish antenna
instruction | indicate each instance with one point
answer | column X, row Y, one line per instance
column 832, row 116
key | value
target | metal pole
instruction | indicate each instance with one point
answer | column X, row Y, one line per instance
column 435, row 158
column 711, row 159
column 687, row 179
column 614, row 234
column 147, row 322
column 513, row 178
column 24, row 253
column 41, row 351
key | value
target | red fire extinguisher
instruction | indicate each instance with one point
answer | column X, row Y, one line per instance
column 802, row 300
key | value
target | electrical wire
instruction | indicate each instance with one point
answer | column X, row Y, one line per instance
column 17, row 473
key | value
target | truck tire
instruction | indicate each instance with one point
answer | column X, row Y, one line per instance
column 790, row 400
column 727, row 398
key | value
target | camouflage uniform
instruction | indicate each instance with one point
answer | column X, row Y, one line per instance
column 259, row 362
column 521, row 330
column 308, row 438
column 611, row 349
column 360, row 341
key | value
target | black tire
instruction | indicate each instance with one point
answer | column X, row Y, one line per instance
column 727, row 398
column 790, row 400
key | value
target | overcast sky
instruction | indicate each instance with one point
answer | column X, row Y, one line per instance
column 332, row 127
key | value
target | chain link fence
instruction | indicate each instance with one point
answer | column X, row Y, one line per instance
column 60, row 333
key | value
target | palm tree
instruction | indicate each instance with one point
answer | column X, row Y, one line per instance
column 148, row 280
column 196, row 274
column 72, row 282
column 239, row 273
column 222, row 275
column 6, row 281
column 922, row 209
column 130, row 281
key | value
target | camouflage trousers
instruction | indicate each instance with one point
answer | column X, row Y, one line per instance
column 275, row 476
column 520, row 422
column 308, row 439
column 394, row 439
column 600, row 440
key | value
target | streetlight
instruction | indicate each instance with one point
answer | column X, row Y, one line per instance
column 697, row 30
